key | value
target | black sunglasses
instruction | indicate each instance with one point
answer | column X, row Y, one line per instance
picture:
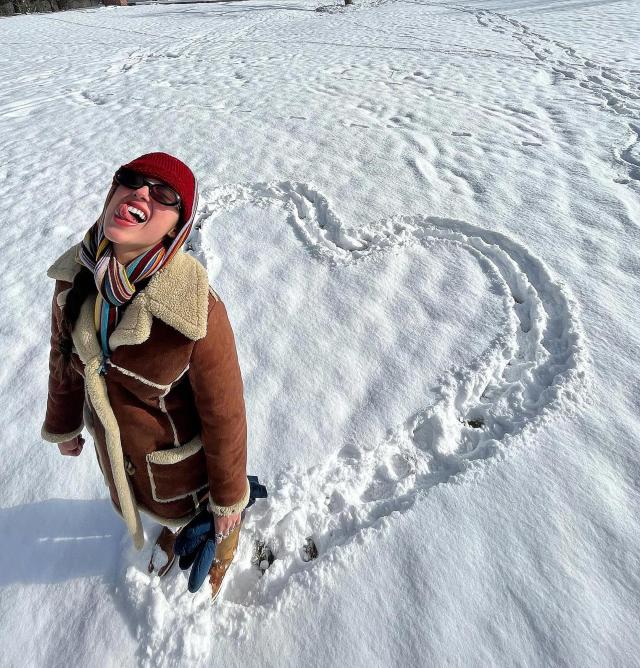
column 160, row 192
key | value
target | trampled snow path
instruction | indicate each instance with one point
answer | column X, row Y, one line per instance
column 616, row 92
column 536, row 367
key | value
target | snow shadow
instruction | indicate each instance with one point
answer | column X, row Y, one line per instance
column 58, row 540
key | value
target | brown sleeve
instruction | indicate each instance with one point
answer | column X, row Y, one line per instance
column 65, row 400
column 216, row 381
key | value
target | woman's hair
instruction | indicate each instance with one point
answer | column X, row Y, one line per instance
column 83, row 285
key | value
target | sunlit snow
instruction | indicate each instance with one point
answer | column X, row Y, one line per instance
column 423, row 218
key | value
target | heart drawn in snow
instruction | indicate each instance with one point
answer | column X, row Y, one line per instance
column 534, row 365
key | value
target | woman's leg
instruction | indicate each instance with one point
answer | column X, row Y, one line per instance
column 225, row 552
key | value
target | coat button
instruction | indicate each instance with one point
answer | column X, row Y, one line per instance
column 128, row 466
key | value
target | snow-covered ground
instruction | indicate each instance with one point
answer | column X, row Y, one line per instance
column 423, row 218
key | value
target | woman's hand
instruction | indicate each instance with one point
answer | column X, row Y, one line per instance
column 225, row 524
column 73, row 447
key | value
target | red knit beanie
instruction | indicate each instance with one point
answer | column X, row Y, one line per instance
column 175, row 174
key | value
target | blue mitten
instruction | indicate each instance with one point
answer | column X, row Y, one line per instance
column 196, row 547
column 256, row 490
column 196, row 542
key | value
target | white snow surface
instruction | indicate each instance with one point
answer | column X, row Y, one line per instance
column 423, row 220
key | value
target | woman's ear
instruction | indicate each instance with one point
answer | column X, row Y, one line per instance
column 173, row 232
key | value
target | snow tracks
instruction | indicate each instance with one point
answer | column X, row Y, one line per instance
column 533, row 369
column 616, row 92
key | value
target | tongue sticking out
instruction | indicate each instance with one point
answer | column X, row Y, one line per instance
column 123, row 212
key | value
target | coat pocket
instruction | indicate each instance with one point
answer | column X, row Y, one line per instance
column 177, row 472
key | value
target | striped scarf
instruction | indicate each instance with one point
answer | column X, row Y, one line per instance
column 116, row 283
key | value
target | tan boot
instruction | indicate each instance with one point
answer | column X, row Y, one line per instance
column 162, row 549
column 225, row 551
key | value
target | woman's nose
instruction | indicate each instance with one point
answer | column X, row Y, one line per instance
column 143, row 191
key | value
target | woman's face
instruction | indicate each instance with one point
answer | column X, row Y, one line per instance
column 134, row 221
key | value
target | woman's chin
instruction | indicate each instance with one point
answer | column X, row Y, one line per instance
column 119, row 234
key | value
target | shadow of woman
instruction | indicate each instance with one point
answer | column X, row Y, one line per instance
column 58, row 540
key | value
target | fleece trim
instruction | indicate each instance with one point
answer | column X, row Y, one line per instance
column 61, row 299
column 86, row 343
column 175, row 455
column 178, row 295
column 60, row 438
column 237, row 507
column 145, row 381
column 169, row 457
column 164, row 521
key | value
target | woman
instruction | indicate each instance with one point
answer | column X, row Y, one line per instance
column 143, row 355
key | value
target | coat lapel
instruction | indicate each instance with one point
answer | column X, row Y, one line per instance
column 178, row 295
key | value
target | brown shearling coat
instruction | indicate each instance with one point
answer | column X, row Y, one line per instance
column 168, row 417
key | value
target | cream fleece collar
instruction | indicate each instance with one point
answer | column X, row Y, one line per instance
column 178, row 295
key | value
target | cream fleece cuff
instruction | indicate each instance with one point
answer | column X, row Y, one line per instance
column 60, row 438
column 238, row 507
